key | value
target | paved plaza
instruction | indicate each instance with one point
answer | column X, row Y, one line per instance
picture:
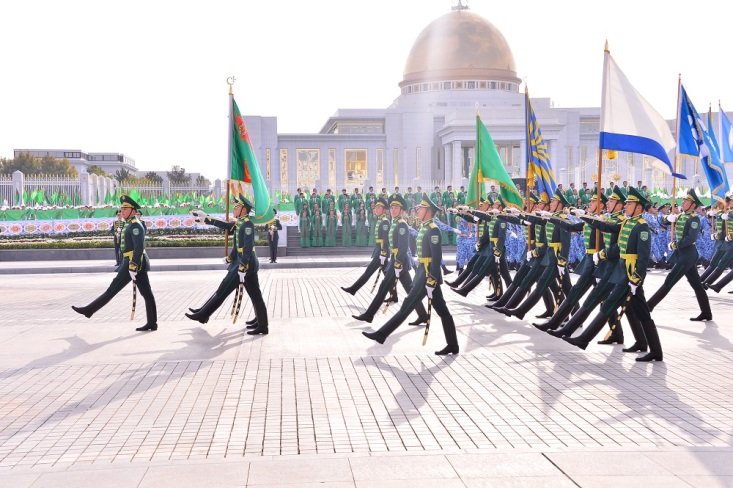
column 92, row 402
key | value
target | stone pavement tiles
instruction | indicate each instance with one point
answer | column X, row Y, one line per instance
column 77, row 395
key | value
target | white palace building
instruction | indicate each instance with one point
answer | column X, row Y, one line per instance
column 426, row 136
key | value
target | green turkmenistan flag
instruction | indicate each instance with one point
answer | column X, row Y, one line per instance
column 487, row 166
column 244, row 169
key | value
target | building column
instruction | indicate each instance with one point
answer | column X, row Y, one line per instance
column 448, row 163
column 18, row 185
column 457, row 164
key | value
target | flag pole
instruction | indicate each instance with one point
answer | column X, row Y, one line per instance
column 230, row 82
column 606, row 52
column 475, row 160
column 676, row 152
column 528, row 151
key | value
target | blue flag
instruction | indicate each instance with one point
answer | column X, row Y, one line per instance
column 694, row 140
column 726, row 136
column 539, row 169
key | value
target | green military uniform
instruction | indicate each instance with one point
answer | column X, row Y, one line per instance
column 347, row 227
column 379, row 254
column 427, row 282
column 316, row 222
column 243, row 268
column 362, row 230
column 634, row 247
column 331, row 227
column 134, row 266
column 398, row 265
column 305, row 227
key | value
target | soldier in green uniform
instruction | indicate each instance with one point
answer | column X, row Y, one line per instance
column 243, row 267
column 398, row 265
column 586, row 268
column 117, row 227
column 331, row 227
column 427, row 282
column 381, row 247
column 634, row 247
column 605, row 260
column 723, row 259
column 134, row 267
column 461, row 196
column 317, row 227
column 304, row 226
column 685, row 228
column 449, row 201
column 347, row 226
column 343, row 198
column 362, row 226
column 327, row 200
column 369, row 198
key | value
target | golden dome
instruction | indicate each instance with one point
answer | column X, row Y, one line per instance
column 460, row 45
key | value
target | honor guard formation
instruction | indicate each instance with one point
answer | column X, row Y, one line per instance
column 608, row 239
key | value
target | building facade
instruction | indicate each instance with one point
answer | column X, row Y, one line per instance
column 80, row 160
column 459, row 65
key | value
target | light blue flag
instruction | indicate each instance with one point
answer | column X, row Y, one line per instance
column 726, row 136
column 694, row 140
column 539, row 168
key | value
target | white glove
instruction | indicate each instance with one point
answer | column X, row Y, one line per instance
column 494, row 211
column 725, row 216
column 671, row 218
column 497, row 259
column 199, row 216
column 633, row 288
column 712, row 213
column 514, row 210
column 429, row 290
column 226, row 260
column 596, row 258
column 241, row 274
column 669, row 246
column 545, row 213
column 397, row 272
column 526, row 222
column 578, row 212
column 475, row 246
column 382, row 259
column 133, row 275
column 560, row 270
column 712, row 237
column 529, row 255
column 456, row 231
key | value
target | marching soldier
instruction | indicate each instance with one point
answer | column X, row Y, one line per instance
column 242, row 269
column 381, row 247
column 273, row 237
column 134, row 267
column 398, row 266
column 117, row 228
column 427, row 282
column 723, row 258
column 685, row 228
column 634, row 246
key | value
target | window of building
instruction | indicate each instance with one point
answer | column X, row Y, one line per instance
column 308, row 167
column 482, row 85
column 471, row 85
column 459, row 85
column 425, row 87
column 380, row 168
column 436, row 85
column 356, row 167
column 332, row 168
column 447, row 85
column 267, row 165
column 395, row 166
column 492, row 85
column 284, row 170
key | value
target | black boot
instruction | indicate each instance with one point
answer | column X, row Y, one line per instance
column 197, row 317
column 575, row 341
column 546, row 315
column 573, row 324
column 364, row 318
column 556, row 318
column 636, row 347
column 348, row 290
column 615, row 334
column 252, row 322
column 588, row 334
column 702, row 318
column 655, row 347
column 445, row 269
column 252, row 326
column 259, row 330
column 419, row 321
column 82, row 310
column 449, row 330
column 150, row 327
column 515, row 300
column 375, row 336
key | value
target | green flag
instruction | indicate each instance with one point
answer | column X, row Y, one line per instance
column 244, row 169
column 488, row 166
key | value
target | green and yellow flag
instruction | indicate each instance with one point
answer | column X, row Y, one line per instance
column 244, row 169
column 487, row 166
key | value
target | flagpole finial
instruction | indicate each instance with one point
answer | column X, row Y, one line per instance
column 605, row 47
column 476, row 105
column 230, row 81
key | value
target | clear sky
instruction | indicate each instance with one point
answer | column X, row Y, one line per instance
column 148, row 78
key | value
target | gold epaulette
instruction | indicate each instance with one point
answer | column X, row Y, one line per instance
column 432, row 225
column 642, row 221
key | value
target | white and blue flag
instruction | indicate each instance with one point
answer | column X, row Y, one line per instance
column 629, row 123
column 695, row 140
column 726, row 136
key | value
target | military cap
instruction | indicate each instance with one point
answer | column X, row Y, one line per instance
column 396, row 199
column 692, row 196
column 617, row 194
column 604, row 198
column 560, row 198
column 636, row 196
column 240, row 200
column 381, row 201
column 127, row 202
column 426, row 202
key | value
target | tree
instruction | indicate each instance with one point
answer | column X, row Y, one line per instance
column 32, row 165
column 122, row 175
column 153, row 177
column 96, row 170
column 178, row 176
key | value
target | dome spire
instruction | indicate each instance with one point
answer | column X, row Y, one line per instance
column 460, row 6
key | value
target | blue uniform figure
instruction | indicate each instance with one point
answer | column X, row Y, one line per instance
column 465, row 243
column 657, row 253
column 577, row 248
column 660, row 240
column 515, row 245
column 705, row 245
